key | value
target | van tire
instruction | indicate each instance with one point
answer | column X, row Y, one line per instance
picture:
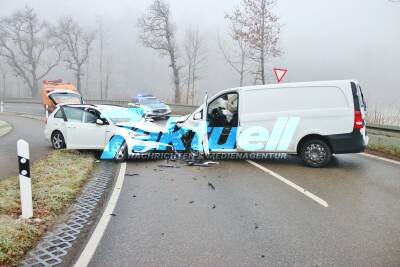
column 57, row 140
column 315, row 153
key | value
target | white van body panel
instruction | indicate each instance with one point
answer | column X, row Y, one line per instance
column 324, row 108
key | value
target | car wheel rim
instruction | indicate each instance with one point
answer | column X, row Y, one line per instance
column 315, row 153
column 57, row 141
column 120, row 150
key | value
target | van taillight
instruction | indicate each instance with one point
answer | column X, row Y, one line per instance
column 358, row 120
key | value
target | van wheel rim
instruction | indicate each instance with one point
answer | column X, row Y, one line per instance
column 57, row 141
column 315, row 153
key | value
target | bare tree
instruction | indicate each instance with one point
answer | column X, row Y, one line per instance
column 259, row 28
column 107, row 78
column 237, row 56
column 76, row 42
column 100, row 32
column 194, row 59
column 24, row 43
column 4, row 73
column 158, row 33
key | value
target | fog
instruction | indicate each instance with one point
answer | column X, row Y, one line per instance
column 320, row 40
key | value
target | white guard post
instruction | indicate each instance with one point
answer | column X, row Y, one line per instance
column 47, row 111
column 1, row 106
column 25, row 183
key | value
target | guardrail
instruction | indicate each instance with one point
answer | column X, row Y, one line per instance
column 178, row 109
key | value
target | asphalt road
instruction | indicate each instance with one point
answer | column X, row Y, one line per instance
column 30, row 130
column 172, row 217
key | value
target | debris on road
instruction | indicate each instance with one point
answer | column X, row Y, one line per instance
column 113, row 214
column 201, row 163
column 168, row 166
column 191, row 202
column 213, row 207
column 134, row 196
column 255, row 226
column 132, row 174
column 211, row 186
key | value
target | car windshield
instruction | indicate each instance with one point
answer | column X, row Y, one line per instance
column 149, row 101
column 66, row 98
column 120, row 114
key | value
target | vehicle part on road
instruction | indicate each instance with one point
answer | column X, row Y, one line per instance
column 211, row 186
column 167, row 166
column 57, row 140
column 132, row 174
column 315, row 153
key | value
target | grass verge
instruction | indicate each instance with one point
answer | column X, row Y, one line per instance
column 56, row 181
column 384, row 150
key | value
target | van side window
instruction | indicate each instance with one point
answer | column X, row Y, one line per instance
column 223, row 111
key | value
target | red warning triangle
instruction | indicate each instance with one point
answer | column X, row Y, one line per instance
column 279, row 73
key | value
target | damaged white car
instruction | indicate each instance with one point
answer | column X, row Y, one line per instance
column 114, row 130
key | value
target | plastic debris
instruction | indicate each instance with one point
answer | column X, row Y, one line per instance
column 211, row 186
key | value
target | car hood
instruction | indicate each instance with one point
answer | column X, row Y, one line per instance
column 156, row 105
column 143, row 125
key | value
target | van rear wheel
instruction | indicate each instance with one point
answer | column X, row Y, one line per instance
column 315, row 153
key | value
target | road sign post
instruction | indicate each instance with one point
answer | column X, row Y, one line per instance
column 25, row 183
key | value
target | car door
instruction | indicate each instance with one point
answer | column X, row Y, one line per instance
column 74, row 125
column 94, row 135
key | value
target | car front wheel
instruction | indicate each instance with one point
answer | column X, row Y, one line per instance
column 57, row 140
column 119, row 148
column 315, row 153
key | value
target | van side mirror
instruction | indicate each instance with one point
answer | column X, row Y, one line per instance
column 197, row 116
column 99, row 122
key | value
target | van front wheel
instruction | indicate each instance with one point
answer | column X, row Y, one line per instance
column 315, row 153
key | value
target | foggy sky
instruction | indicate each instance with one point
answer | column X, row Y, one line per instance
column 320, row 39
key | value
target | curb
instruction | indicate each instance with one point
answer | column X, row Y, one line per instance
column 61, row 245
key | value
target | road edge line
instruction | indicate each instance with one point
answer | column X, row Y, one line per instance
column 95, row 238
column 291, row 184
column 381, row 158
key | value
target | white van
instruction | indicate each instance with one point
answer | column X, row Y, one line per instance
column 310, row 119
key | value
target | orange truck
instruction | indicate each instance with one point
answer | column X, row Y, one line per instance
column 57, row 92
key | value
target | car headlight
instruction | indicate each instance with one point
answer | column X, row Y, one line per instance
column 142, row 136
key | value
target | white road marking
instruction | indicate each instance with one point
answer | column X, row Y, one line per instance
column 381, row 158
column 94, row 240
column 290, row 183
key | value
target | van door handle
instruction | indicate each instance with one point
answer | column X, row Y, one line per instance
column 71, row 127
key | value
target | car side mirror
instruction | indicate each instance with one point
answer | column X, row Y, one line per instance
column 99, row 122
column 197, row 116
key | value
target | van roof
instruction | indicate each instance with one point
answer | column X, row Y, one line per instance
column 338, row 83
